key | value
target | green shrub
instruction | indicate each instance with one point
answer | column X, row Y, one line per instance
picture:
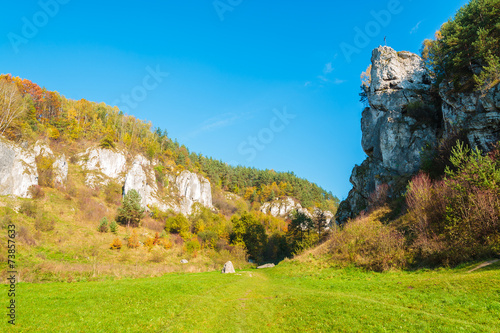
column 29, row 208
column 177, row 224
column 457, row 220
column 44, row 222
column 107, row 142
column 45, row 170
column 193, row 245
column 113, row 226
column 103, row 225
column 113, row 193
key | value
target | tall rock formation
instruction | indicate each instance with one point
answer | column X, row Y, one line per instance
column 18, row 170
column 193, row 188
column 403, row 117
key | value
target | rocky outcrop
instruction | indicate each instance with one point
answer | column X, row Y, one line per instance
column 59, row 166
column 140, row 177
column 17, row 170
column 477, row 114
column 283, row 207
column 403, row 117
column 104, row 164
column 101, row 164
column 193, row 188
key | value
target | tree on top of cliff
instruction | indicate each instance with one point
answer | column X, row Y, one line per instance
column 465, row 50
column 12, row 105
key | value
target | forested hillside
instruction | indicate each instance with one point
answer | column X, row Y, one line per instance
column 41, row 113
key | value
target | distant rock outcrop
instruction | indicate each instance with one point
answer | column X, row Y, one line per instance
column 18, row 170
column 403, row 117
column 283, row 207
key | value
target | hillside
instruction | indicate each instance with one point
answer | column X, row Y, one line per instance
column 67, row 167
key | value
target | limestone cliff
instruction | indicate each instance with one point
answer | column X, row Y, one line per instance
column 17, row 170
column 404, row 116
column 283, row 207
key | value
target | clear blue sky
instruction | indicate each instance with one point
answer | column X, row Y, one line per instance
column 230, row 63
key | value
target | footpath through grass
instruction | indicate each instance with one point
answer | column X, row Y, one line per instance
column 292, row 297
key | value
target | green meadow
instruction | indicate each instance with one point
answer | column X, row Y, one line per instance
column 292, row 297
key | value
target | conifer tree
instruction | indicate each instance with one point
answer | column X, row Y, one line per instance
column 131, row 212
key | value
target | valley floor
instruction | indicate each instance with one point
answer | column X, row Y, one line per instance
column 292, row 297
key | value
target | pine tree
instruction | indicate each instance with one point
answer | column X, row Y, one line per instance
column 131, row 212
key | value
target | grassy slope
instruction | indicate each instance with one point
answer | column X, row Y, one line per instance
column 293, row 296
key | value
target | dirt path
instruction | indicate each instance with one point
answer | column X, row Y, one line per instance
column 484, row 264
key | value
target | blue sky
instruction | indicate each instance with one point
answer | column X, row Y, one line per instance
column 267, row 84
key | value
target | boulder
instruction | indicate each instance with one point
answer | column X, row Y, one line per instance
column 184, row 261
column 228, row 268
column 18, row 170
column 266, row 266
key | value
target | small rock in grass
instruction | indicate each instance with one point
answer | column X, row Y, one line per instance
column 184, row 261
column 266, row 266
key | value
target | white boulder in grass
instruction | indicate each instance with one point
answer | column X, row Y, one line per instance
column 228, row 268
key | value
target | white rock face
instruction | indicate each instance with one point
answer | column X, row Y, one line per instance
column 141, row 178
column 395, row 127
column 282, row 207
column 60, row 165
column 193, row 188
column 110, row 163
column 476, row 114
column 17, row 170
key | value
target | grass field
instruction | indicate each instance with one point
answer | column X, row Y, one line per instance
column 292, row 297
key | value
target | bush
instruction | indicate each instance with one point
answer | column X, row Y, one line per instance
column 45, row 170
column 193, row 245
column 116, row 245
column 177, row 224
column 113, row 193
column 107, row 142
column 36, row 192
column 367, row 243
column 421, row 112
column 473, row 208
column 133, row 241
column 209, row 238
column 457, row 219
column 29, row 208
column 44, row 222
column 103, row 225
column 113, row 226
